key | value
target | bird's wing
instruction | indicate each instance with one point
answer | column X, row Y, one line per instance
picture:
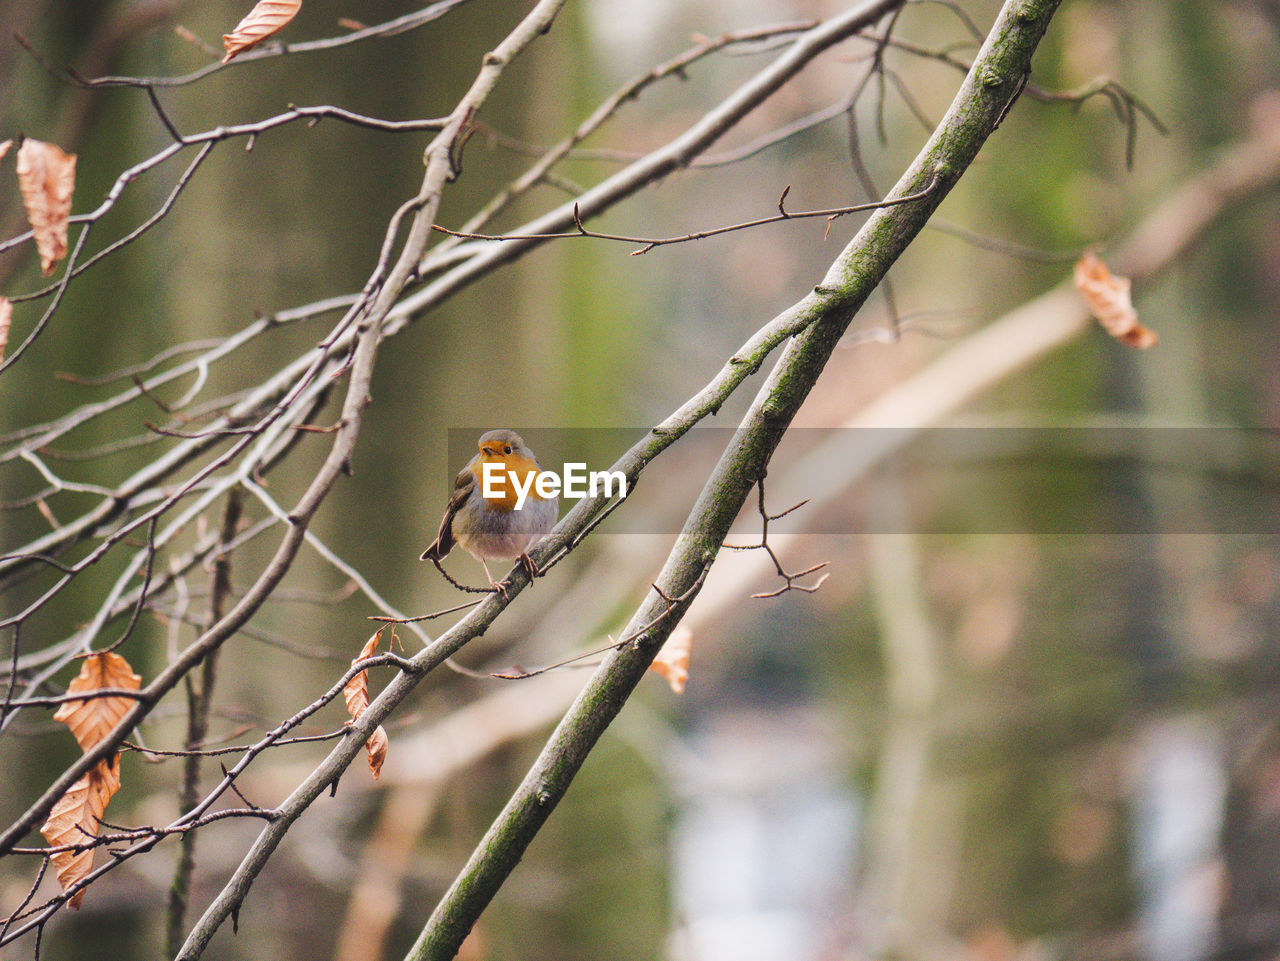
column 463, row 485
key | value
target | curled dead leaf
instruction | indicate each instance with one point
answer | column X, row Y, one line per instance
column 46, row 179
column 376, row 747
column 1108, row 299
column 356, row 693
column 77, row 815
column 6, row 318
column 672, row 661
column 356, row 696
column 266, row 18
column 75, row 820
column 92, row 718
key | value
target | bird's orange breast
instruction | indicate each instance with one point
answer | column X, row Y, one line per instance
column 506, row 467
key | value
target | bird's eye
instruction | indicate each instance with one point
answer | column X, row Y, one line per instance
column 507, row 449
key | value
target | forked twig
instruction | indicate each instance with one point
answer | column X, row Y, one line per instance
column 791, row 578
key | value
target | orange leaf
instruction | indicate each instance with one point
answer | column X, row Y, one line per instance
column 377, row 746
column 1108, row 299
column 672, row 661
column 75, row 820
column 356, row 694
column 75, row 817
column 46, row 179
column 91, row 719
column 6, row 318
column 266, row 18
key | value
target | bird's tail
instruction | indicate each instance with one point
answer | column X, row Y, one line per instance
column 437, row 551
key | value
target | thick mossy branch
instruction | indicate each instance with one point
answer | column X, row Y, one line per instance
column 817, row 323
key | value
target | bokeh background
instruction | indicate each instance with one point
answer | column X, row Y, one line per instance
column 1031, row 712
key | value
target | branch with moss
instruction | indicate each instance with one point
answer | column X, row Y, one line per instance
column 993, row 83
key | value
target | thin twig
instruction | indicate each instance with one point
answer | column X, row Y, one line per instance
column 426, row 617
column 199, row 704
column 648, row 243
column 390, row 28
column 791, row 578
column 672, row 603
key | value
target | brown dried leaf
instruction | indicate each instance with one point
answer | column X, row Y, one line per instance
column 672, row 661
column 376, row 747
column 6, row 318
column 75, row 820
column 91, row 719
column 75, row 817
column 1108, row 299
column 356, row 694
column 46, row 179
column 265, row 19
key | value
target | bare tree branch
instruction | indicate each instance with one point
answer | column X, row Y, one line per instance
column 646, row 244
column 980, row 104
column 199, row 705
column 390, row 28
column 219, row 448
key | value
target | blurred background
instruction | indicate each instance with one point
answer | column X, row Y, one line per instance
column 1032, row 711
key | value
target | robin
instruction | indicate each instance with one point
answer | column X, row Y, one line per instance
column 493, row 528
